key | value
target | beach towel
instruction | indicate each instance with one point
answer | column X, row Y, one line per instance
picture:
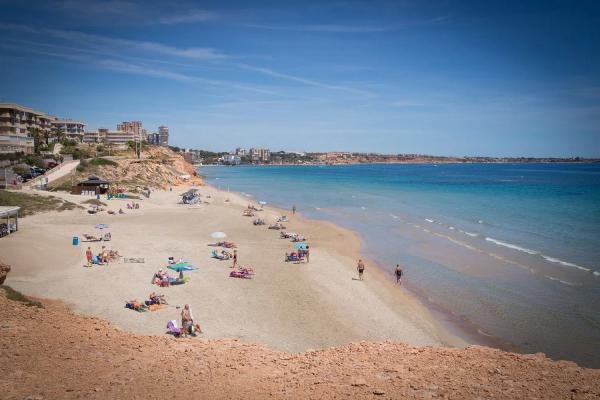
column 172, row 328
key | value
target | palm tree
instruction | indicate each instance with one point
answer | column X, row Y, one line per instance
column 37, row 135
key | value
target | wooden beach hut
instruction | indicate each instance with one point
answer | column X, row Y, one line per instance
column 93, row 185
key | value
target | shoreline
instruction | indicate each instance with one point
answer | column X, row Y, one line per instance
column 286, row 306
column 446, row 320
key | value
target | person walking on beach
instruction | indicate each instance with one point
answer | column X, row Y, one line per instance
column 307, row 254
column 234, row 258
column 398, row 273
column 294, row 209
column 361, row 269
column 89, row 255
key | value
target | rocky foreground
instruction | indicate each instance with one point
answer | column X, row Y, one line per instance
column 52, row 353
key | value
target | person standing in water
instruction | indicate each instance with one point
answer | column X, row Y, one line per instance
column 361, row 269
column 398, row 273
column 294, row 209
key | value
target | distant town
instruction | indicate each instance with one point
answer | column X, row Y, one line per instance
column 33, row 139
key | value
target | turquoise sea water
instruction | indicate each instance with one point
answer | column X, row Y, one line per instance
column 513, row 250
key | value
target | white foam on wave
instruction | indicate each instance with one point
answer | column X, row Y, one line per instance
column 426, row 230
column 317, row 208
column 565, row 263
column 363, row 208
column 470, row 234
column 451, row 228
column 394, row 216
column 512, row 246
column 480, row 221
column 596, row 273
column 561, row 281
column 429, row 220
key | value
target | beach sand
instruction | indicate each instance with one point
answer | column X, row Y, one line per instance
column 286, row 306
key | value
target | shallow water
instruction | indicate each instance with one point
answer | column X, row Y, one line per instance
column 513, row 249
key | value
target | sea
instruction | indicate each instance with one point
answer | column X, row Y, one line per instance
column 509, row 252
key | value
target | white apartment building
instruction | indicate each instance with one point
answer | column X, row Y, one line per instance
column 258, row 155
column 15, row 122
column 71, row 128
column 106, row 136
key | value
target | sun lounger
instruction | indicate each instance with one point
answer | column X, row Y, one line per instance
column 133, row 260
column 91, row 238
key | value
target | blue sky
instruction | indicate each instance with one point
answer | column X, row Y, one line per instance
column 444, row 77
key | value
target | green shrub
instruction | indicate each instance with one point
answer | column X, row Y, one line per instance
column 14, row 295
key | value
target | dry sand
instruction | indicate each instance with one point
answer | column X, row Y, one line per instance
column 289, row 307
column 53, row 354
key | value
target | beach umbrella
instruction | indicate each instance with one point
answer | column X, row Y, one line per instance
column 182, row 266
column 299, row 246
column 101, row 226
column 262, row 203
column 218, row 235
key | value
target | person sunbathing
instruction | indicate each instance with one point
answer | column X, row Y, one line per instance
column 136, row 305
column 156, row 299
column 91, row 238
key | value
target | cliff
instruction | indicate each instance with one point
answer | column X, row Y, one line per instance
column 86, row 357
column 160, row 168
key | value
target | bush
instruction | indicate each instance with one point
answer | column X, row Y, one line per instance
column 14, row 295
column 35, row 161
column 102, row 161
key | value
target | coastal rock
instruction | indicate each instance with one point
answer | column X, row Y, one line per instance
column 4, row 270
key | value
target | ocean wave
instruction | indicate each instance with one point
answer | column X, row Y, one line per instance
column 480, row 221
column 561, row 281
column 429, row 220
column 394, row 216
column 596, row 273
column 470, row 234
column 512, row 246
column 451, row 228
column 363, row 208
column 317, row 208
column 565, row 263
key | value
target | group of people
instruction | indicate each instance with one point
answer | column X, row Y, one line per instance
column 103, row 258
column 360, row 267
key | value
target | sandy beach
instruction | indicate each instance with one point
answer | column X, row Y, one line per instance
column 286, row 306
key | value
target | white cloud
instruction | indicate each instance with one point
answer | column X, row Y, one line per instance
column 189, row 17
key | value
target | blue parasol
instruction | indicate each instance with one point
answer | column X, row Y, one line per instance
column 302, row 246
column 182, row 266
column 101, row 226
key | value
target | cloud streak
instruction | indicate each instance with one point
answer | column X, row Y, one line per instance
column 305, row 81
column 110, row 43
column 187, row 18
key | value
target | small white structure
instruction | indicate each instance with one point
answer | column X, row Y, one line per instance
column 9, row 220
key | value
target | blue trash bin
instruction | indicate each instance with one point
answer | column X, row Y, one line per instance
column 75, row 240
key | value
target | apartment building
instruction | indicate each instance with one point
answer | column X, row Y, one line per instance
column 71, row 128
column 106, row 136
column 15, row 123
column 260, row 155
column 163, row 135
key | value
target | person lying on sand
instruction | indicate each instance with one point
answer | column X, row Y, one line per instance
column 157, row 299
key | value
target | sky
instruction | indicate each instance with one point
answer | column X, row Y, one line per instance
column 493, row 78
